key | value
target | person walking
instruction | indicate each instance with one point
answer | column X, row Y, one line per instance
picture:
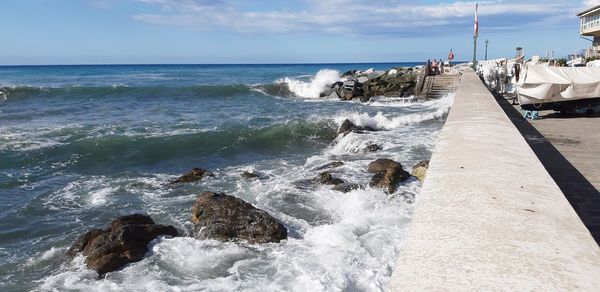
column 441, row 66
column 434, row 66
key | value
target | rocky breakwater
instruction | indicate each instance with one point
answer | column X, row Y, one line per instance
column 363, row 85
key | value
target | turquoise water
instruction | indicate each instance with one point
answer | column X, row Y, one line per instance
column 81, row 145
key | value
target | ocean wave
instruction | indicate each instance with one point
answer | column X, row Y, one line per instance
column 313, row 87
column 22, row 92
column 428, row 110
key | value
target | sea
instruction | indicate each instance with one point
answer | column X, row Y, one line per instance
column 81, row 145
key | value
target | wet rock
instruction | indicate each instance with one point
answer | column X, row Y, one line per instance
column 124, row 241
column 420, row 169
column 222, row 217
column 347, row 187
column 347, row 127
column 372, row 148
column 330, row 165
column 387, row 174
column 327, row 179
column 194, row 175
column 249, row 175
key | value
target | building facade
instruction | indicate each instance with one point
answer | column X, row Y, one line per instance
column 589, row 21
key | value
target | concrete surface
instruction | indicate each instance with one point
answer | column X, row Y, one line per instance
column 569, row 148
column 489, row 216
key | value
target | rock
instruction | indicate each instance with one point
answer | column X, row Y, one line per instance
column 334, row 95
column 362, row 79
column 420, row 169
column 124, row 241
column 223, row 217
column 387, row 174
column 330, row 165
column 249, row 175
column 396, row 82
column 194, row 175
column 372, row 148
column 347, row 127
column 349, row 73
column 346, row 187
column 327, row 179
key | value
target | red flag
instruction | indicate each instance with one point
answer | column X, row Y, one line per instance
column 476, row 28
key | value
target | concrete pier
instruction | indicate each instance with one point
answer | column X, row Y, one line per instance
column 489, row 216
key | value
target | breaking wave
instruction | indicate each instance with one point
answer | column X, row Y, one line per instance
column 313, row 87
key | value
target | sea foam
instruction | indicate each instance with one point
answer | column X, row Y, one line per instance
column 315, row 86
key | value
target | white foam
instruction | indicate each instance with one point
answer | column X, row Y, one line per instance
column 52, row 253
column 315, row 86
column 385, row 122
column 337, row 241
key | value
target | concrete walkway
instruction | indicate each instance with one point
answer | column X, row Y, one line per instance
column 489, row 216
column 569, row 148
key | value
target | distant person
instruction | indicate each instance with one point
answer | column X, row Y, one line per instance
column 428, row 67
column 441, row 66
column 434, row 67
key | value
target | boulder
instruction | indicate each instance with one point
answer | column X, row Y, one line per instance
column 346, row 187
column 124, row 241
column 387, row 174
column 420, row 169
column 347, row 127
column 249, row 175
column 327, row 179
column 330, row 165
column 194, row 175
column 223, row 217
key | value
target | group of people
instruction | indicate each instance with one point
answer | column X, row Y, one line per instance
column 435, row 67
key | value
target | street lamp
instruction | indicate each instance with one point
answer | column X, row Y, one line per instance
column 486, row 45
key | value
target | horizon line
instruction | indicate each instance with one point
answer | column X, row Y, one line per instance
column 209, row 64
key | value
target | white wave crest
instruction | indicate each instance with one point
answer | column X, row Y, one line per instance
column 317, row 84
column 437, row 109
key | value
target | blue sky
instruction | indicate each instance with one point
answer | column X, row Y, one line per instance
column 278, row 31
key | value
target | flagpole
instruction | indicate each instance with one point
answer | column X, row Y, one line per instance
column 474, row 52
column 475, row 35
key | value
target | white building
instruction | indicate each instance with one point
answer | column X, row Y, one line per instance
column 590, row 26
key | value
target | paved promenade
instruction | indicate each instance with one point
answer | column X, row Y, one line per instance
column 489, row 215
column 569, row 148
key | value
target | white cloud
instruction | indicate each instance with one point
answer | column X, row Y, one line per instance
column 350, row 16
column 591, row 3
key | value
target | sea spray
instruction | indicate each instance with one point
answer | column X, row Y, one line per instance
column 315, row 86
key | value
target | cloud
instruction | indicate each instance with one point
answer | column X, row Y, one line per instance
column 591, row 3
column 354, row 17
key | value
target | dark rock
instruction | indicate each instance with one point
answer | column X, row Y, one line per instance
column 223, row 217
column 249, row 175
column 420, row 169
column 124, row 241
column 194, row 175
column 402, row 83
column 372, row 148
column 349, row 73
column 346, row 187
column 347, row 127
column 327, row 179
column 387, row 174
column 330, row 165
